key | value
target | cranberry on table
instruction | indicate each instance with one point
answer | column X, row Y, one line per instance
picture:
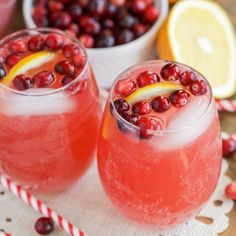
column 36, row 43
column 161, row 104
column 187, row 77
column 22, row 82
column 198, row 87
column 146, row 78
column 13, row 58
column 142, row 108
column 125, row 87
column 2, row 72
column 44, row 79
column 121, row 106
column 230, row 191
column 65, row 67
column 228, row 146
column 44, row 226
column 170, row 72
column 180, row 98
column 54, row 41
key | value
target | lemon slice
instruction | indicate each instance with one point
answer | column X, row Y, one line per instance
column 200, row 34
column 34, row 60
column 152, row 90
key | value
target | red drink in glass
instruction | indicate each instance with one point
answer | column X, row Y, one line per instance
column 49, row 109
column 159, row 151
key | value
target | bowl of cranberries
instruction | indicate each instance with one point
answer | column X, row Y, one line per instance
column 116, row 33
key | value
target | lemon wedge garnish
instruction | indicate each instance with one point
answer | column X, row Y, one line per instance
column 33, row 60
column 152, row 90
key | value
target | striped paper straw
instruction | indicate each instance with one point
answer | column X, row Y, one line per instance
column 226, row 105
column 5, row 234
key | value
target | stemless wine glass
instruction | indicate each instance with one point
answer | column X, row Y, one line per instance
column 159, row 150
column 49, row 109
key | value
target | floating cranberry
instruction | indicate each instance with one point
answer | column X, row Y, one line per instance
column 170, row 72
column 104, row 40
column 121, row 106
column 125, row 87
column 124, row 36
column 61, row 19
column 146, row 78
column 141, row 108
column 108, row 23
column 65, row 67
column 44, row 79
column 70, row 50
column 36, row 43
column 139, row 29
column 97, row 7
column 22, row 82
column 131, row 118
column 161, row 104
column 127, row 22
column 187, row 77
column 229, row 147
column 13, row 58
column 198, row 87
column 180, row 98
column 230, row 191
column 147, row 125
column 2, row 72
column 54, row 41
column 79, row 60
column 89, row 25
column 139, row 6
column 87, row 40
column 151, row 14
column 17, row 46
column 75, row 10
column 44, row 226
column 67, row 79
column 55, row 6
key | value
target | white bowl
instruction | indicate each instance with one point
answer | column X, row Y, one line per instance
column 107, row 63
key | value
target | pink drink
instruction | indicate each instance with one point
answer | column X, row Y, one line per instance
column 165, row 177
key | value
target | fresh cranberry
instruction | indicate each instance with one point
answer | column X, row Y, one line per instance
column 104, row 40
column 22, row 82
column 36, row 43
column 44, row 226
column 151, row 14
column 125, row 87
column 55, row 6
column 187, row 77
column 75, row 10
column 89, row 25
column 170, row 72
column 17, row 46
column 54, row 41
column 70, row 50
column 147, row 125
column 97, row 7
column 2, row 72
column 118, row 3
column 1, row 60
column 65, row 67
column 44, row 79
column 180, row 98
column 39, row 16
column 141, row 108
column 131, row 118
column 121, row 106
column 124, row 36
column 161, row 104
column 83, row 3
column 87, row 40
column 148, row 2
column 73, row 29
column 79, row 60
column 198, row 87
column 108, row 23
column 127, row 22
column 228, row 146
column 61, row 19
column 111, row 9
column 139, row 6
column 146, row 78
column 13, row 58
column 139, row 29
column 230, row 191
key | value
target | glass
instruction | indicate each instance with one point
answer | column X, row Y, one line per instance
column 167, row 177
column 48, row 135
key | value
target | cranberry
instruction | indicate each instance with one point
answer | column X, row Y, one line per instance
column 108, row 23
column 83, row 3
column 67, row 79
column 87, row 40
column 125, row 87
column 39, row 15
column 73, row 29
column 44, row 79
column 61, row 19
column 127, row 22
column 187, row 77
column 170, row 72
column 89, row 25
column 44, row 226
column 148, row 2
column 118, row 2
column 65, row 67
column 198, row 87
column 141, row 108
column 75, row 10
column 13, row 58
column 180, row 98
column 70, row 50
column 1, row 60
column 139, row 29
column 146, row 78
column 2, row 72
column 139, row 6
column 230, row 191
column 54, row 41
column 124, row 36
column 121, row 106
column 36, row 43
column 147, row 125
column 97, row 7
column 17, row 46
column 161, row 104
column 79, row 60
column 131, row 118
column 111, row 9
column 105, row 40
column 151, row 14
column 55, row 6
column 228, row 146
column 22, row 82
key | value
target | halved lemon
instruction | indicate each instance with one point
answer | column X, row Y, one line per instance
column 27, row 63
column 200, row 34
column 152, row 90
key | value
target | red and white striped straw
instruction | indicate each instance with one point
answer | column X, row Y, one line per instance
column 226, row 105
column 5, row 234
column 39, row 206
column 228, row 136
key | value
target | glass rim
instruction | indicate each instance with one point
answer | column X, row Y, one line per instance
column 157, row 132
column 49, row 30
